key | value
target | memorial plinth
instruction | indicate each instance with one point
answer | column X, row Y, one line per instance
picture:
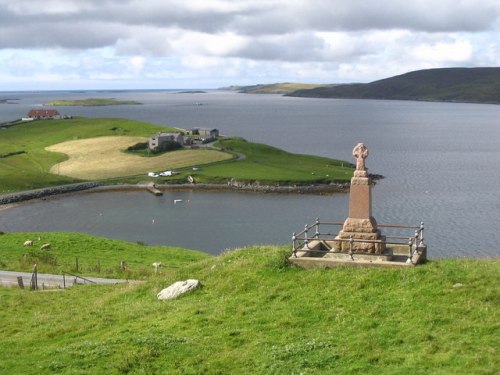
column 361, row 226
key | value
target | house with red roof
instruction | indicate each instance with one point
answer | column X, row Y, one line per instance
column 44, row 114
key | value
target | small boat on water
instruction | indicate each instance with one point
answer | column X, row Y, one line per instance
column 177, row 201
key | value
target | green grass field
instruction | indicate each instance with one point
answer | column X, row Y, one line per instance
column 97, row 256
column 254, row 315
column 267, row 164
column 31, row 169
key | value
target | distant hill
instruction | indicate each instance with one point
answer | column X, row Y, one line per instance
column 275, row 88
column 470, row 85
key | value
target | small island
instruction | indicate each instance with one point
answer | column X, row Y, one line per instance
column 91, row 102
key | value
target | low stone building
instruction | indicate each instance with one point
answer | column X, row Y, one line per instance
column 159, row 141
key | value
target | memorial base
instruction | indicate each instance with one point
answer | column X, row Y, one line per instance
column 360, row 230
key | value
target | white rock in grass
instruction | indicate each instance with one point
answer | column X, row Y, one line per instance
column 178, row 288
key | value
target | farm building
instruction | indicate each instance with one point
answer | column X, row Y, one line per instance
column 160, row 140
column 44, row 114
column 205, row 133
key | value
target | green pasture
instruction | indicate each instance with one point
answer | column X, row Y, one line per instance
column 29, row 167
column 271, row 165
column 90, row 255
column 254, row 314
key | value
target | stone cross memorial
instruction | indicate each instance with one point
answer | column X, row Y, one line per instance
column 360, row 225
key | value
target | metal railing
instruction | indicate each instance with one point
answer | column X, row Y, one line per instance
column 313, row 232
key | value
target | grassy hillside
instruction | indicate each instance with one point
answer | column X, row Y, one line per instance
column 276, row 88
column 97, row 256
column 474, row 85
column 270, row 165
column 256, row 315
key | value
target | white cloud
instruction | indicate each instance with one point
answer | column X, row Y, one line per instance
column 136, row 64
column 221, row 42
column 457, row 51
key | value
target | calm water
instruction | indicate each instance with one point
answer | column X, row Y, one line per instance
column 440, row 161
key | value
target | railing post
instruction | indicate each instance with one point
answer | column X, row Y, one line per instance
column 317, row 228
column 294, row 247
column 421, row 239
column 306, row 241
column 410, row 246
column 417, row 236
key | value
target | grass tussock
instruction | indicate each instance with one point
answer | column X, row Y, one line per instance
column 257, row 315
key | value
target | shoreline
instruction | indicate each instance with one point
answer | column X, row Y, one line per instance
column 7, row 200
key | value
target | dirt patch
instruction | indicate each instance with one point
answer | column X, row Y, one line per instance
column 99, row 158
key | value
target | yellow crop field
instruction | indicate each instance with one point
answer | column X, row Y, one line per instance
column 101, row 157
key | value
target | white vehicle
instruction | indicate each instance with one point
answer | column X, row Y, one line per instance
column 166, row 173
column 152, row 174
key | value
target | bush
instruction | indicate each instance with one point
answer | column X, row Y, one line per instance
column 138, row 146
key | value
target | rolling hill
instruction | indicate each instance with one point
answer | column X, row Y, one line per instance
column 466, row 85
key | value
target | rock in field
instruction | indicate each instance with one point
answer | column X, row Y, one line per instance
column 178, row 288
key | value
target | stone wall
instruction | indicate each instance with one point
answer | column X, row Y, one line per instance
column 40, row 193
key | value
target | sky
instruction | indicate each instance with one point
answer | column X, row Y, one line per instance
column 189, row 44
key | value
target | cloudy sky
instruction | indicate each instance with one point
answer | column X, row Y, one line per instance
column 140, row 44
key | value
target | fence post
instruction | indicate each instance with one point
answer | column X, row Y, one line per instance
column 76, row 264
column 20, row 282
column 34, row 279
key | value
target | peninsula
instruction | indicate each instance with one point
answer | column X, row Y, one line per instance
column 40, row 154
column 462, row 85
column 275, row 88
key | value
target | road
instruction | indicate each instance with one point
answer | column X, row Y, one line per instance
column 9, row 278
